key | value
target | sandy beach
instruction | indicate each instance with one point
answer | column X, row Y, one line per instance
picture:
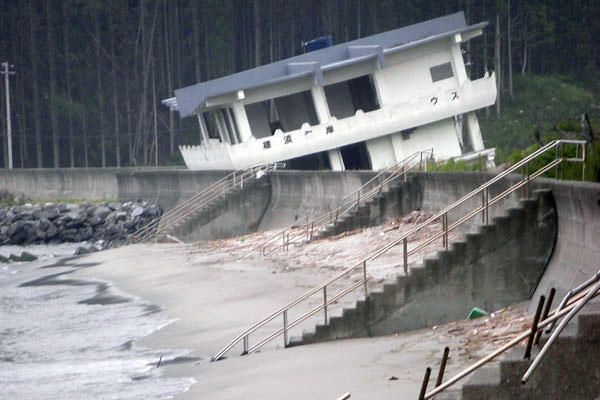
column 212, row 296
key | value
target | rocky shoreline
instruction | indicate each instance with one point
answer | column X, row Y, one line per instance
column 107, row 223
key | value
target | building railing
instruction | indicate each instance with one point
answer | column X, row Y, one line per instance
column 201, row 200
column 307, row 227
column 483, row 191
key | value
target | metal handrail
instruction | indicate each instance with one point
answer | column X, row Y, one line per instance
column 575, row 303
column 443, row 215
column 143, row 230
column 300, row 231
column 200, row 200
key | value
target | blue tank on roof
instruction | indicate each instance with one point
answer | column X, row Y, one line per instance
column 319, row 43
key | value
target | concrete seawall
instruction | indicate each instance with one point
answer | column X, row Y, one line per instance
column 299, row 193
column 72, row 183
column 57, row 184
column 576, row 254
column 164, row 187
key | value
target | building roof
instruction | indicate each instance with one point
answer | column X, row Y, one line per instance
column 189, row 99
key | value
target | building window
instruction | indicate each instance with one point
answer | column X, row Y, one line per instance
column 287, row 113
column 347, row 97
column 442, row 71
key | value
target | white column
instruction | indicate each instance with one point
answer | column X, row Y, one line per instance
column 221, row 126
column 379, row 84
column 381, row 152
column 335, row 160
column 457, row 58
column 242, row 121
column 203, row 129
column 321, row 106
column 474, row 131
column 234, row 133
column 397, row 146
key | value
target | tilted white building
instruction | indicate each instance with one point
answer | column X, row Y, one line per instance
column 365, row 104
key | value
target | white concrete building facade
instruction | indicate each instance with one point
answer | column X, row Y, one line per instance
column 365, row 104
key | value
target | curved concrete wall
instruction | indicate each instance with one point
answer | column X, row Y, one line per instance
column 439, row 189
column 576, row 255
column 295, row 194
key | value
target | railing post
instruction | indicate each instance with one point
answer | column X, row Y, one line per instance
column 242, row 182
column 556, row 165
column 527, row 189
column 245, row 345
column 287, row 243
column 306, row 228
column 312, row 228
column 536, row 319
column 325, row 302
column 583, row 162
column 357, row 200
column 336, row 217
column 425, row 383
column 538, row 336
column 285, row 332
column 562, row 162
column 405, row 255
column 442, row 367
column 421, row 162
column 487, row 206
column 365, row 277
column 483, row 206
column 446, row 230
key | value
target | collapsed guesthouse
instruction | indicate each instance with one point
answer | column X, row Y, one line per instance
column 364, row 104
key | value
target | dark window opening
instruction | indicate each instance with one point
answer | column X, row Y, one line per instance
column 258, row 118
column 296, row 109
column 224, row 118
column 442, row 71
column 406, row 133
column 355, row 156
column 310, row 162
column 211, row 124
column 345, row 98
column 287, row 113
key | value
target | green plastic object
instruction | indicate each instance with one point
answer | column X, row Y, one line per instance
column 476, row 313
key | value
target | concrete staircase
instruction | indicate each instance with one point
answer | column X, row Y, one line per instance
column 490, row 268
column 570, row 370
column 394, row 200
column 184, row 228
column 237, row 212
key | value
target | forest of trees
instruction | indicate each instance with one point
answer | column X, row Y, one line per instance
column 90, row 74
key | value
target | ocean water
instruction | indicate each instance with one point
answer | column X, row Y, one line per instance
column 74, row 339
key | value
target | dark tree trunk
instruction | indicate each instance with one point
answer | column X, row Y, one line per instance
column 36, row 93
column 100, row 94
column 52, row 68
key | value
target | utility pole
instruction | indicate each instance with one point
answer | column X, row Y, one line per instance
column 6, row 73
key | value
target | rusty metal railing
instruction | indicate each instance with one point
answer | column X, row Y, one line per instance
column 201, row 200
column 306, row 228
column 483, row 192
column 570, row 306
